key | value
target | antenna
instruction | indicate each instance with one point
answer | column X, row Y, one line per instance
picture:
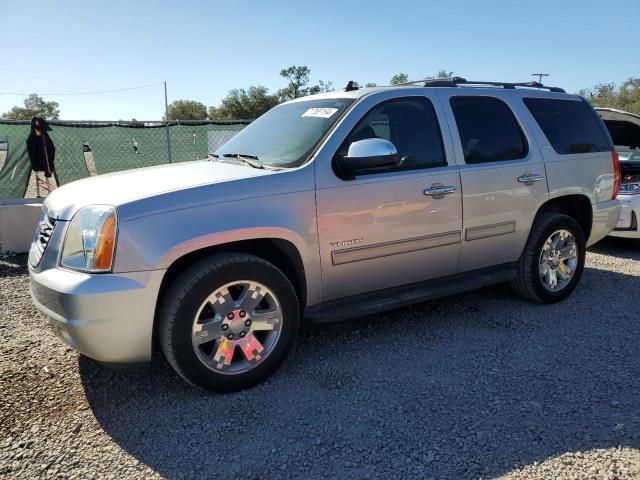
column 539, row 75
column 351, row 86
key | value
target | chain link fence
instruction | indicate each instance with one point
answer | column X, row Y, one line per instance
column 87, row 148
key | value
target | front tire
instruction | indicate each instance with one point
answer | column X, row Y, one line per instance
column 228, row 322
column 551, row 265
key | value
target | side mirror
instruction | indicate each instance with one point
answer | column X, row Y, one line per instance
column 366, row 156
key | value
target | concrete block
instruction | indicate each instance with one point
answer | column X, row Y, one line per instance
column 18, row 223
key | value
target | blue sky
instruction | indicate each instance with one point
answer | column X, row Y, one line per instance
column 204, row 48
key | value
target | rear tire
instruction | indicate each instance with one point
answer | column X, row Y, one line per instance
column 541, row 262
column 202, row 322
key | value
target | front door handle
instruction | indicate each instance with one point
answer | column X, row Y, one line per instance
column 530, row 178
column 437, row 190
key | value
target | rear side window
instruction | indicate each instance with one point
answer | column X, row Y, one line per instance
column 570, row 126
column 488, row 130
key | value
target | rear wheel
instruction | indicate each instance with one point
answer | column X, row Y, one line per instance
column 553, row 259
column 228, row 322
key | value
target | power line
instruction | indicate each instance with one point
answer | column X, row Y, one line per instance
column 87, row 93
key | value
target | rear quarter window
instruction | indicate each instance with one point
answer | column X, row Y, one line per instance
column 571, row 126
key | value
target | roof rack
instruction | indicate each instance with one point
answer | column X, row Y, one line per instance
column 412, row 82
column 456, row 81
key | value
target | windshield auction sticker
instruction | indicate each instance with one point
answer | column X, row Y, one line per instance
column 320, row 112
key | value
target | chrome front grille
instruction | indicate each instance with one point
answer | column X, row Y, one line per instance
column 41, row 240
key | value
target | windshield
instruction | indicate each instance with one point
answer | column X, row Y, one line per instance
column 286, row 134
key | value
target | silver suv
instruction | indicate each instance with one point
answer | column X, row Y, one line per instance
column 327, row 207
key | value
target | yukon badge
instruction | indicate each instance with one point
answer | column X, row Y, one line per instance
column 347, row 243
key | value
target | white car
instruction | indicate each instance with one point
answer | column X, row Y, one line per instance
column 624, row 128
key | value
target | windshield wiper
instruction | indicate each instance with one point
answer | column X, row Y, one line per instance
column 251, row 160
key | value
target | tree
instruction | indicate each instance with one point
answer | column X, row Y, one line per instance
column 241, row 104
column 625, row 97
column 186, row 110
column 442, row 73
column 321, row 87
column 370, row 84
column 34, row 106
column 299, row 78
column 399, row 78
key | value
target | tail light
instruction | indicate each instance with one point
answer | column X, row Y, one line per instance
column 617, row 176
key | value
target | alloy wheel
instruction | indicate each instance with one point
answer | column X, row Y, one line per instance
column 558, row 260
column 237, row 327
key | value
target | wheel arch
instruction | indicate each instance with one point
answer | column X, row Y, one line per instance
column 280, row 252
column 576, row 206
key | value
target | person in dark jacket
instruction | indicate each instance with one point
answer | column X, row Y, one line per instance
column 41, row 150
column 40, row 147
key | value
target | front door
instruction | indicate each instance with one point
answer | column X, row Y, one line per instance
column 398, row 225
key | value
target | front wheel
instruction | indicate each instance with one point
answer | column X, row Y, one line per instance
column 553, row 259
column 228, row 322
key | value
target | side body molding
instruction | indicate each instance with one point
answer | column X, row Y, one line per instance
column 486, row 231
column 378, row 250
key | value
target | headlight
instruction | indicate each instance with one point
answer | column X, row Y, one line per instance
column 90, row 239
column 630, row 189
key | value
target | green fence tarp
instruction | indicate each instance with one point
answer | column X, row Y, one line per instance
column 14, row 174
column 111, row 147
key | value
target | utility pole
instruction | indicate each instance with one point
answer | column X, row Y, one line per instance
column 539, row 75
column 166, row 117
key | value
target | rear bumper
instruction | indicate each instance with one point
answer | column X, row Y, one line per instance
column 628, row 225
column 107, row 317
column 605, row 219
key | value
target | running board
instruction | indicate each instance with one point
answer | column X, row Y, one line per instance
column 396, row 297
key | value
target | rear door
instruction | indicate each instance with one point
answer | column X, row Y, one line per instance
column 502, row 174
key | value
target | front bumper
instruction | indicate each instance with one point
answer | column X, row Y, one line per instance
column 107, row 317
column 628, row 225
column 605, row 218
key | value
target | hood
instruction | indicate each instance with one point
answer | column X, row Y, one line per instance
column 124, row 187
column 624, row 127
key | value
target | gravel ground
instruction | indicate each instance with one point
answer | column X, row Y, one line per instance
column 478, row 385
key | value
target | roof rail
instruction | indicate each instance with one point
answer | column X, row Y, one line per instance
column 412, row 82
column 456, row 81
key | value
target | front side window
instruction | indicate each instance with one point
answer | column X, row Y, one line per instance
column 488, row 130
column 411, row 125
column 286, row 135
column 571, row 126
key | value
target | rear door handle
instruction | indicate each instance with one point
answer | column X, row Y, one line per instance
column 436, row 190
column 530, row 178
